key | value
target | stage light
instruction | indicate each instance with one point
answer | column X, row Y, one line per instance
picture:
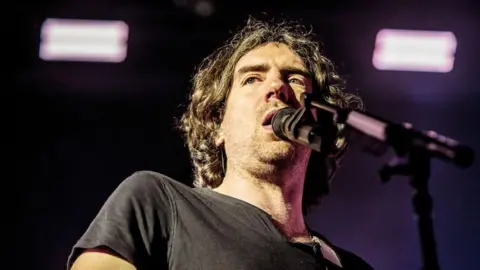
column 410, row 50
column 83, row 40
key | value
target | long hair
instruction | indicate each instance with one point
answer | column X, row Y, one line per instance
column 212, row 82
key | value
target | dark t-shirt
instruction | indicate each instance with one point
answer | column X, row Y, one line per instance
column 155, row 222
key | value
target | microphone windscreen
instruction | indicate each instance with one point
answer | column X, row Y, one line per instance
column 278, row 120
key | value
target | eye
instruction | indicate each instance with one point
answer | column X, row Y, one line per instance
column 250, row 80
column 296, row 81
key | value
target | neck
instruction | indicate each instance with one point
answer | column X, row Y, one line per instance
column 279, row 194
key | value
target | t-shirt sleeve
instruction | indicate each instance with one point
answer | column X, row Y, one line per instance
column 134, row 222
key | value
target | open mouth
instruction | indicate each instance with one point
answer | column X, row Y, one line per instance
column 267, row 121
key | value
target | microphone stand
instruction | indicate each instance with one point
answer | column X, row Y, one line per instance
column 417, row 166
column 412, row 158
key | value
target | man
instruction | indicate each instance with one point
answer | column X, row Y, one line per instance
column 252, row 189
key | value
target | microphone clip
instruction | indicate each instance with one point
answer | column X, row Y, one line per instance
column 318, row 133
column 301, row 127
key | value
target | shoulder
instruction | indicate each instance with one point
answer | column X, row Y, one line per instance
column 144, row 187
column 145, row 181
column 138, row 214
column 145, row 177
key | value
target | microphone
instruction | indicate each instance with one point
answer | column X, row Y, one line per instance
column 279, row 123
column 298, row 125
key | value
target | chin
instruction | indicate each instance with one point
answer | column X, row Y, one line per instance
column 270, row 149
column 276, row 151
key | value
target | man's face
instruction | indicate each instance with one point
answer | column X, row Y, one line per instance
column 266, row 79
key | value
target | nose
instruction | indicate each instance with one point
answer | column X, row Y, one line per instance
column 279, row 90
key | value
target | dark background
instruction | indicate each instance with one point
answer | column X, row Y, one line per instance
column 81, row 128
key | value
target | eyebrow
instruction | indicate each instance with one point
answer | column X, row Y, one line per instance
column 265, row 68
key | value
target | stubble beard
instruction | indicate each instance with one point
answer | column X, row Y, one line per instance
column 266, row 157
column 272, row 153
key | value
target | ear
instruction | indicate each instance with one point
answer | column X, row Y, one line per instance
column 220, row 139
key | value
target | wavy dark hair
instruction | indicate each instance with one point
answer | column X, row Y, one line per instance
column 212, row 82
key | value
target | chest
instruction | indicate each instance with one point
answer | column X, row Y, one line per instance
column 225, row 242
